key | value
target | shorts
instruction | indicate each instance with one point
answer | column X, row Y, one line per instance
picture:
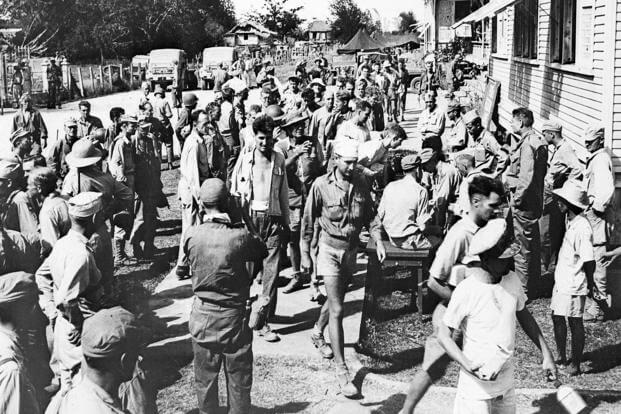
column 336, row 262
column 295, row 219
column 502, row 404
column 570, row 306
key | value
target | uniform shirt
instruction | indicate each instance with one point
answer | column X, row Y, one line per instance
column 54, row 220
column 88, row 125
column 403, row 209
column 184, row 120
column 22, row 214
column 17, row 395
column 372, row 156
column 88, row 397
column 485, row 147
column 218, row 253
column 487, row 315
column 202, row 157
column 319, row 125
column 161, row 110
column 75, row 275
column 576, row 250
column 115, row 195
column 301, row 173
column 291, row 101
column 121, row 161
column 147, row 163
column 58, row 154
column 351, row 130
column 242, row 184
column 455, row 136
column 599, row 180
column 453, row 248
column 431, row 122
column 21, row 252
column 564, row 165
column 525, row 176
column 444, row 188
column 341, row 208
column 31, row 121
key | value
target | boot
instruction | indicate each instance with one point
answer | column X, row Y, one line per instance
column 137, row 251
column 170, row 157
column 120, row 257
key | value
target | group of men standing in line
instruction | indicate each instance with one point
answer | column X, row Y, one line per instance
column 304, row 170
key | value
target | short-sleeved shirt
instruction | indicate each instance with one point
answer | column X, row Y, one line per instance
column 54, row 221
column 486, row 313
column 576, row 250
column 351, row 130
column 88, row 397
column 453, row 248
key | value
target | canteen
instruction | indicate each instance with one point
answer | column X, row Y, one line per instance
column 571, row 401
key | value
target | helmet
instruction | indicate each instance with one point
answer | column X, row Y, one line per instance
column 275, row 112
column 189, row 99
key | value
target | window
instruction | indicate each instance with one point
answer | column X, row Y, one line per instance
column 245, row 36
column 499, row 34
column 563, row 31
column 525, row 29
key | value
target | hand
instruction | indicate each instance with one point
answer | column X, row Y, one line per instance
column 473, row 368
column 305, row 260
column 75, row 337
column 549, row 369
column 610, row 256
column 381, row 252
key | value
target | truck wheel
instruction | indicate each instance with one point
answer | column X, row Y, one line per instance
column 415, row 85
column 152, row 85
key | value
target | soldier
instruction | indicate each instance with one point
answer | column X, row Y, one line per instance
column 184, row 123
column 260, row 181
column 229, row 128
column 218, row 252
column 21, row 212
column 483, row 144
column 600, row 188
column 114, row 129
column 54, row 80
column 148, row 190
column 432, row 119
column 146, row 89
column 292, row 95
column 62, row 147
column 156, row 129
column 454, row 137
column 355, row 128
column 564, row 165
column 87, row 123
column 123, row 168
column 21, row 142
column 161, row 110
column 429, row 81
column 54, row 220
column 340, row 223
column 86, row 175
column 29, row 119
column 525, row 176
column 17, row 85
column 204, row 156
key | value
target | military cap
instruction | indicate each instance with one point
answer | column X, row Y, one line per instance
column 593, row 132
column 409, row 162
column 128, row 119
column 85, row 204
column 551, row 126
column 346, row 148
column 453, row 106
column 471, row 116
column 213, row 191
column 20, row 133
column 110, row 332
column 71, row 122
column 492, row 236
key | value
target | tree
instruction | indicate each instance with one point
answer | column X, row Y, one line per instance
column 348, row 18
column 277, row 17
column 407, row 20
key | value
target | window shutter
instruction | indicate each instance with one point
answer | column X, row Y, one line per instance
column 555, row 28
column 495, row 34
column 533, row 35
column 584, row 38
column 569, row 31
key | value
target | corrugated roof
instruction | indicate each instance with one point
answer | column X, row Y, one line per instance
column 319, row 26
column 258, row 27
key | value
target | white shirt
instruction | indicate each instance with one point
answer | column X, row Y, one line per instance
column 351, row 130
column 577, row 249
column 487, row 315
column 453, row 249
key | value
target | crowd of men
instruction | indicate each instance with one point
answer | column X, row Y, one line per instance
column 296, row 178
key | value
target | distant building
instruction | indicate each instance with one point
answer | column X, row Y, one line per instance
column 248, row 34
column 319, row 31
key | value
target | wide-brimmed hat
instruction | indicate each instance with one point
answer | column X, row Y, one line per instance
column 158, row 89
column 573, row 193
column 18, row 134
column 83, row 153
column 294, row 118
column 493, row 235
column 317, row 81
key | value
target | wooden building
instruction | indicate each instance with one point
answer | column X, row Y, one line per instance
column 319, row 31
column 248, row 34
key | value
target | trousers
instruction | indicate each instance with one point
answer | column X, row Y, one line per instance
column 145, row 220
column 221, row 338
column 528, row 258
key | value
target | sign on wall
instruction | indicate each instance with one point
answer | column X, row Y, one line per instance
column 464, row 30
column 488, row 106
column 445, row 34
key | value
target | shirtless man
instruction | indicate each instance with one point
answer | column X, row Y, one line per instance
column 260, row 181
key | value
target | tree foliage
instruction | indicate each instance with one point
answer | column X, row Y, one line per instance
column 347, row 18
column 90, row 29
column 406, row 20
column 277, row 17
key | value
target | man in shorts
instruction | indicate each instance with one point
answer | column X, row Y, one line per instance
column 485, row 200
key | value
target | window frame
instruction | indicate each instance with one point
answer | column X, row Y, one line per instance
column 526, row 29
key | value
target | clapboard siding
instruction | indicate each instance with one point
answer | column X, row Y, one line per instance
column 575, row 100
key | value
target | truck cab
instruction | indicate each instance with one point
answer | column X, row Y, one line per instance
column 166, row 67
column 212, row 58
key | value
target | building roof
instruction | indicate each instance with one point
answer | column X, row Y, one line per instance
column 251, row 27
column 319, row 26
